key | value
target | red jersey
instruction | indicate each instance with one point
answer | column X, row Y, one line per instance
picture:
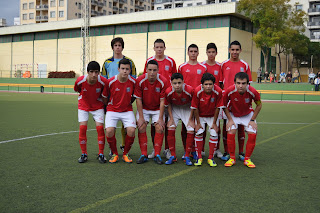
column 150, row 94
column 120, row 94
column 206, row 103
column 174, row 98
column 192, row 74
column 90, row 95
column 166, row 67
column 215, row 70
column 229, row 69
column 240, row 105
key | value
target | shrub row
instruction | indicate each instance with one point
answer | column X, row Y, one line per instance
column 70, row 74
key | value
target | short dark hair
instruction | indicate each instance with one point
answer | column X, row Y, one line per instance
column 208, row 77
column 124, row 61
column 153, row 62
column 176, row 75
column 192, row 46
column 159, row 40
column 93, row 65
column 241, row 76
column 235, row 43
column 212, row 45
column 115, row 40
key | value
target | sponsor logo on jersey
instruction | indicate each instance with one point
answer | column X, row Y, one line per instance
column 235, row 99
column 212, row 100
column 201, row 99
column 167, row 67
column 84, row 90
column 128, row 89
column 187, row 70
column 216, row 72
column 198, row 71
column 183, row 99
column 228, row 68
column 117, row 89
column 157, row 89
column 174, row 99
column 98, row 90
column 241, row 69
column 146, row 88
column 247, row 100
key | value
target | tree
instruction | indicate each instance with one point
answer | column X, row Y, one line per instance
column 275, row 20
column 299, row 48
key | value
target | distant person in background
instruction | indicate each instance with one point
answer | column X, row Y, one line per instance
column 317, row 83
column 289, row 77
column 295, row 76
column 271, row 77
column 266, row 76
column 311, row 77
column 259, row 75
column 318, row 74
column 282, row 77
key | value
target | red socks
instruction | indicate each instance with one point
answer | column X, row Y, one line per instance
column 213, row 141
column 189, row 144
column 143, row 142
column 101, row 138
column 172, row 142
column 129, row 142
column 241, row 137
column 113, row 144
column 198, row 145
column 158, row 140
column 231, row 146
column 251, row 143
column 83, row 138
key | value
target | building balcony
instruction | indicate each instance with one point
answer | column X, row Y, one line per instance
column 100, row 4
column 41, row 18
column 314, row 0
column 314, row 25
column 93, row 12
column 121, row 10
column 314, row 11
column 122, row 1
column 94, row 2
column 115, row 9
column 42, row 7
column 137, row 7
column 115, row 0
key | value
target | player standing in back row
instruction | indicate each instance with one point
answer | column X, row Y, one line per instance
column 229, row 69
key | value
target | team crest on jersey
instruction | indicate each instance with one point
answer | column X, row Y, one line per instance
column 198, row 71
column 98, row 90
column 212, row 100
column 241, row 69
column 183, row 99
column 128, row 89
column 157, row 89
column 167, row 67
column 187, row 70
column 247, row 100
column 216, row 72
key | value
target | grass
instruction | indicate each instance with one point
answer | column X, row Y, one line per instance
column 42, row 174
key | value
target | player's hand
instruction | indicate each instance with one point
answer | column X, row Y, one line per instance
column 253, row 124
column 141, row 122
column 161, row 123
column 215, row 127
column 191, row 123
column 170, row 123
column 230, row 124
column 198, row 126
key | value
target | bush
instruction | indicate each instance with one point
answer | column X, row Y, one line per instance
column 70, row 74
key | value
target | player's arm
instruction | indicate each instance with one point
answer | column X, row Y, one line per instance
column 141, row 120
column 170, row 121
column 230, row 121
column 76, row 87
column 215, row 118
column 197, row 118
column 105, row 94
column 161, row 121
column 255, row 114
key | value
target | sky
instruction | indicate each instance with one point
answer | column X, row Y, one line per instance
column 9, row 9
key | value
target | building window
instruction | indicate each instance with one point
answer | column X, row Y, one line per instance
column 110, row 13
column 52, row 3
column 79, row 6
column 104, row 12
column 299, row 7
column 31, row 15
column 24, row 16
column 199, row 3
column 145, row 7
column 189, row 5
column 25, row 6
column 131, row 2
column 52, row 14
column 158, row 8
column 131, row 10
column 110, row 4
column 125, row 9
column 148, row 7
column 105, row 3
column 61, row 14
column 61, row 3
column 79, row 15
column 31, row 5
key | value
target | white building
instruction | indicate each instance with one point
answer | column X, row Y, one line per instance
column 3, row 22
column 16, row 21
column 168, row 4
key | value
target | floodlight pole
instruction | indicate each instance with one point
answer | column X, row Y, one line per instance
column 85, row 34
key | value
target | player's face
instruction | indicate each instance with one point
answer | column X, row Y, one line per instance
column 117, row 48
column 177, row 85
column 93, row 75
column 235, row 51
column 152, row 71
column 193, row 53
column 124, row 70
column 211, row 53
column 159, row 49
column 241, row 85
column 207, row 86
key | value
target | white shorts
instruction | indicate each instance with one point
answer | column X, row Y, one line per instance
column 98, row 115
column 127, row 119
column 150, row 114
column 244, row 120
column 222, row 115
column 182, row 113
column 209, row 121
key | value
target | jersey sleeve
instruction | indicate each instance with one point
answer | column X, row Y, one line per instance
column 137, row 90
column 163, row 91
column 77, row 88
column 249, row 74
column 106, row 90
column 195, row 101
column 220, row 100
column 221, row 73
column 174, row 67
column 225, row 99
column 145, row 67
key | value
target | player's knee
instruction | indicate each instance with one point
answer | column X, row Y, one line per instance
column 110, row 132
column 131, row 131
column 232, row 131
column 142, row 129
column 159, row 128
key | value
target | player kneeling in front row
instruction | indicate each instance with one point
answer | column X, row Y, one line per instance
column 237, row 101
column 120, row 89
column 178, row 100
column 205, row 102
column 90, row 87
